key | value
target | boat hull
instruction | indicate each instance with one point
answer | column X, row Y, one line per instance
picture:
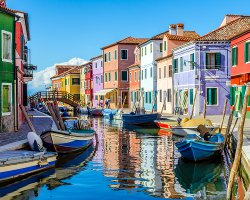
column 147, row 119
column 17, row 166
column 182, row 132
column 196, row 150
column 166, row 124
column 63, row 143
column 96, row 112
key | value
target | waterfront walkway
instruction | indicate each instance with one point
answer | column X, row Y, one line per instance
column 13, row 140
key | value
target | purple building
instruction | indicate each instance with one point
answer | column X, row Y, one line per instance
column 203, row 64
column 97, row 68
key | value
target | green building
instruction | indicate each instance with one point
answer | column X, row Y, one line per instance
column 7, row 69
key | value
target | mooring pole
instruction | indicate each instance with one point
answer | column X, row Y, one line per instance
column 196, row 91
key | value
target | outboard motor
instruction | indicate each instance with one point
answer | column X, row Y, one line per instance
column 204, row 132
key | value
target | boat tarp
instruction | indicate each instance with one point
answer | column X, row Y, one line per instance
column 196, row 122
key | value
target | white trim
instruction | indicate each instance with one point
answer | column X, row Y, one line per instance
column 121, row 54
column 11, row 48
column 217, row 96
column 6, row 113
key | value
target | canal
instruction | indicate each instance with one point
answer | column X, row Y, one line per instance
column 134, row 163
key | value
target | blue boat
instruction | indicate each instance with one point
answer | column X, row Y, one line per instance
column 194, row 148
column 109, row 113
column 18, row 164
column 140, row 119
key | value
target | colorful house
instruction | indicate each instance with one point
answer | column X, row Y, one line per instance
column 134, row 80
column 240, row 67
column 204, row 65
column 7, row 70
column 174, row 38
column 88, row 83
column 97, row 69
column 117, row 58
column 82, row 85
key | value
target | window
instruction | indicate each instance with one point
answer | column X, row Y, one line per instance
column 135, row 76
column 181, row 64
column 132, row 99
column 101, row 63
column 212, row 95
column 6, row 46
column 151, row 48
column 170, row 71
column 175, row 64
column 109, row 57
column 105, row 57
column 124, row 76
column 6, row 98
column 139, row 75
column 130, row 77
column 159, row 73
column 213, row 60
column 165, row 45
column 106, row 77
column 169, row 95
column 247, row 52
column 109, row 76
column 142, row 75
column 115, row 55
column 160, row 94
column 146, row 97
column 124, row 54
column 192, row 61
column 151, row 72
column 95, row 65
column 141, row 52
column 160, row 47
column 96, row 79
column 191, row 96
column 145, row 73
column 150, row 97
column 115, row 76
column 234, row 56
column 101, row 79
column 66, row 82
column 165, row 71
column 96, row 97
column 75, row 81
column 145, row 51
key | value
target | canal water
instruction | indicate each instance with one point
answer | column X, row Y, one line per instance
column 128, row 163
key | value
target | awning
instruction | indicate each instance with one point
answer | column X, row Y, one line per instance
column 104, row 92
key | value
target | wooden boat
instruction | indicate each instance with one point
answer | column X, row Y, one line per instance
column 109, row 113
column 182, row 132
column 68, row 141
column 96, row 112
column 18, row 164
column 165, row 124
column 195, row 148
column 140, row 119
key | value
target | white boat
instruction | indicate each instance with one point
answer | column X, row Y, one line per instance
column 18, row 164
column 184, row 131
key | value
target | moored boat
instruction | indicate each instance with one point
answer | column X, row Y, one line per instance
column 110, row 113
column 96, row 112
column 184, row 131
column 195, row 148
column 18, row 164
column 140, row 119
column 68, row 141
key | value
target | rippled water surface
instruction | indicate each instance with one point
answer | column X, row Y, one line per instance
column 132, row 163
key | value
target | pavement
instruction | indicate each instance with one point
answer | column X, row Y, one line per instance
column 17, row 140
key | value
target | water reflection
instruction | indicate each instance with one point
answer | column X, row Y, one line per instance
column 134, row 163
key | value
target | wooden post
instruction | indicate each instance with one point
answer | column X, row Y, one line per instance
column 205, row 108
column 123, row 102
column 59, row 117
column 237, row 157
column 230, row 120
column 27, row 118
column 224, row 113
column 196, row 91
column 155, row 97
column 53, row 115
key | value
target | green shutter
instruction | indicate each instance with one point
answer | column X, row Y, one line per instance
column 191, row 96
column 217, row 60
column 214, row 96
column 233, row 56
column 236, row 56
column 5, row 98
column 150, row 97
column 243, row 91
column 246, row 52
column 232, row 96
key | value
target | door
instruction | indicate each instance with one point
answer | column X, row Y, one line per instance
column 124, row 99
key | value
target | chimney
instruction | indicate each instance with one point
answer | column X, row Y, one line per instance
column 172, row 29
column 2, row 3
column 180, row 29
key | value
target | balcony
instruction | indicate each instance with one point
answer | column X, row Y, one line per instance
column 30, row 67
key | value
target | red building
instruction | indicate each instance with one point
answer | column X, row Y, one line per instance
column 240, row 70
column 88, row 82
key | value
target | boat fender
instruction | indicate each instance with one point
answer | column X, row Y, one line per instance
column 35, row 142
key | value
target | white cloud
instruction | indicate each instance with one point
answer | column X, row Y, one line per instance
column 42, row 78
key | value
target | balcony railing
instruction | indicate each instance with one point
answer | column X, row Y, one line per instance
column 30, row 67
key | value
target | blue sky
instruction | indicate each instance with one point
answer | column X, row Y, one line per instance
column 63, row 29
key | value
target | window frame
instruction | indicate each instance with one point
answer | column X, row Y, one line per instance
column 121, row 75
column 11, row 46
column 217, row 100
column 11, row 100
column 121, row 53
column 75, row 83
column 234, row 60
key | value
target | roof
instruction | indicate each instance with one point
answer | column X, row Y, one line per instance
column 228, row 31
column 94, row 58
column 134, row 65
column 128, row 40
column 187, row 36
column 164, row 57
column 75, row 70
column 85, row 64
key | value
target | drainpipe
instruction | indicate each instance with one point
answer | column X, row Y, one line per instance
column 15, row 83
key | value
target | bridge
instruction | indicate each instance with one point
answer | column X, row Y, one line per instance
column 62, row 96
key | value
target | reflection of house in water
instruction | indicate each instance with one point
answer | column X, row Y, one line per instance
column 98, row 127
